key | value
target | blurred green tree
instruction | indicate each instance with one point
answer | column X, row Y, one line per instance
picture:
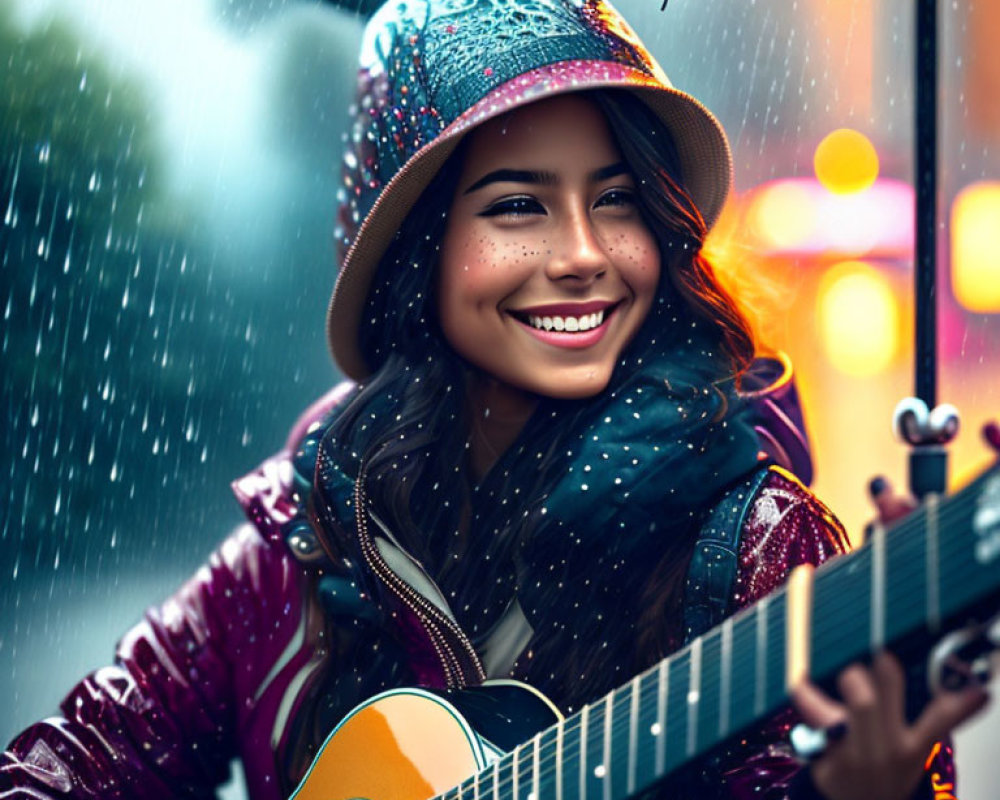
column 115, row 330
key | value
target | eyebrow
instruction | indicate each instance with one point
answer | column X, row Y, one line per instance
column 542, row 177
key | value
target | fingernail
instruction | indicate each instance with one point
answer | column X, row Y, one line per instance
column 877, row 485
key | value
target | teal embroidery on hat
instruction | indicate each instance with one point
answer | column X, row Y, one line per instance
column 424, row 63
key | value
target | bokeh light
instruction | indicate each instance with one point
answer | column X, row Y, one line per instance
column 859, row 319
column 975, row 247
column 783, row 215
column 799, row 216
column 846, row 161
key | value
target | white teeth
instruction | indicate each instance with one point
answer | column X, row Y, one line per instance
column 571, row 324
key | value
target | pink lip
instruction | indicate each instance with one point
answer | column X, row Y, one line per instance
column 568, row 340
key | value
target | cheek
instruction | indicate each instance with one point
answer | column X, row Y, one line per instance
column 638, row 259
column 480, row 271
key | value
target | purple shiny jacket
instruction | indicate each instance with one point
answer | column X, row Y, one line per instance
column 231, row 664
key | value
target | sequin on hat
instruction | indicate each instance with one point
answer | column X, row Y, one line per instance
column 432, row 70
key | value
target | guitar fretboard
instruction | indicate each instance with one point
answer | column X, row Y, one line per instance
column 915, row 578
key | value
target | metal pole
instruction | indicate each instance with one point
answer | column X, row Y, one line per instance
column 925, row 246
column 929, row 430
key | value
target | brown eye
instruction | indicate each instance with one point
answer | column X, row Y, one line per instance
column 616, row 197
column 514, row 207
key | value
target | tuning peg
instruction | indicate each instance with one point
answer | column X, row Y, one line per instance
column 910, row 419
column 915, row 424
column 943, row 423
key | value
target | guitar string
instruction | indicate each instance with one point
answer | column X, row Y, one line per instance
column 571, row 749
column 907, row 560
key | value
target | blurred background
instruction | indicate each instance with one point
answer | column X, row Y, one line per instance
column 168, row 174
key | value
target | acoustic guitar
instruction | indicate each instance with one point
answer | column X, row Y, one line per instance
column 930, row 585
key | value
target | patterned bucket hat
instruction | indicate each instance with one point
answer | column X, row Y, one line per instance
column 432, row 70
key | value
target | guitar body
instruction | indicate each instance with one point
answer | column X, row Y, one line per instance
column 412, row 744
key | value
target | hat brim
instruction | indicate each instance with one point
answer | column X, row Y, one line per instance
column 702, row 148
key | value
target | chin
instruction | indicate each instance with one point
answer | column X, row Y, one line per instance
column 575, row 387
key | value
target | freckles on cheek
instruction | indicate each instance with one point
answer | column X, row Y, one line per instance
column 642, row 257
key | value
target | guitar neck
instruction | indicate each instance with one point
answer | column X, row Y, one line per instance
column 906, row 583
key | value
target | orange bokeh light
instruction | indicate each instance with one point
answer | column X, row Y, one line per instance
column 782, row 215
column 859, row 319
column 846, row 162
column 975, row 247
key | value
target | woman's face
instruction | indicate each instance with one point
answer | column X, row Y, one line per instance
column 547, row 268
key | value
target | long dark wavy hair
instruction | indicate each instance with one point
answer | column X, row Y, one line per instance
column 407, row 423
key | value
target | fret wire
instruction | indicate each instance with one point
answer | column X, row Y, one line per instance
column 693, row 696
column 584, row 714
column 932, row 556
column 878, row 589
column 725, row 678
column 606, row 756
column 663, row 685
column 798, row 625
column 761, row 672
column 513, row 769
column 559, row 759
column 534, row 768
column 633, row 736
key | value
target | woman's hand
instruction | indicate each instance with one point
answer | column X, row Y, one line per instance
column 880, row 755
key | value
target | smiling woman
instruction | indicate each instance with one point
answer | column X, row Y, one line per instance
column 547, row 267
column 545, row 468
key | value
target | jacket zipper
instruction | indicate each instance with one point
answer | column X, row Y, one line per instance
column 430, row 617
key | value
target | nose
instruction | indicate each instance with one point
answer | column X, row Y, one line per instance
column 578, row 252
